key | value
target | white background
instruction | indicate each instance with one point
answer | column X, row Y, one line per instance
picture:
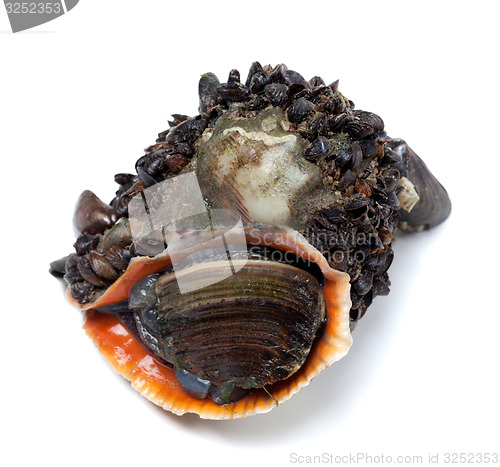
column 82, row 96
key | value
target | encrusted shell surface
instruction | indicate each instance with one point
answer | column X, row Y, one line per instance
column 289, row 156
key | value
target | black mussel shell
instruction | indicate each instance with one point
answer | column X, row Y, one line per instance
column 250, row 329
column 207, row 90
column 92, row 216
column 434, row 205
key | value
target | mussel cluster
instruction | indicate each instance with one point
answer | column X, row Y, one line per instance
column 298, row 163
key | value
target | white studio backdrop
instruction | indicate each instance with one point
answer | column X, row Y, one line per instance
column 82, row 96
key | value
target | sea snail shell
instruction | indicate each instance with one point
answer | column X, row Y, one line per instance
column 319, row 189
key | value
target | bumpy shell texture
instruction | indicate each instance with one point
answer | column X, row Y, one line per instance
column 308, row 175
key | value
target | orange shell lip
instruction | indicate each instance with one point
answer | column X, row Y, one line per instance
column 157, row 382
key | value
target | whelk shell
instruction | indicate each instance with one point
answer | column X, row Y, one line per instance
column 309, row 177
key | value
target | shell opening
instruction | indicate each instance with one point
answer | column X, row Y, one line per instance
column 118, row 339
